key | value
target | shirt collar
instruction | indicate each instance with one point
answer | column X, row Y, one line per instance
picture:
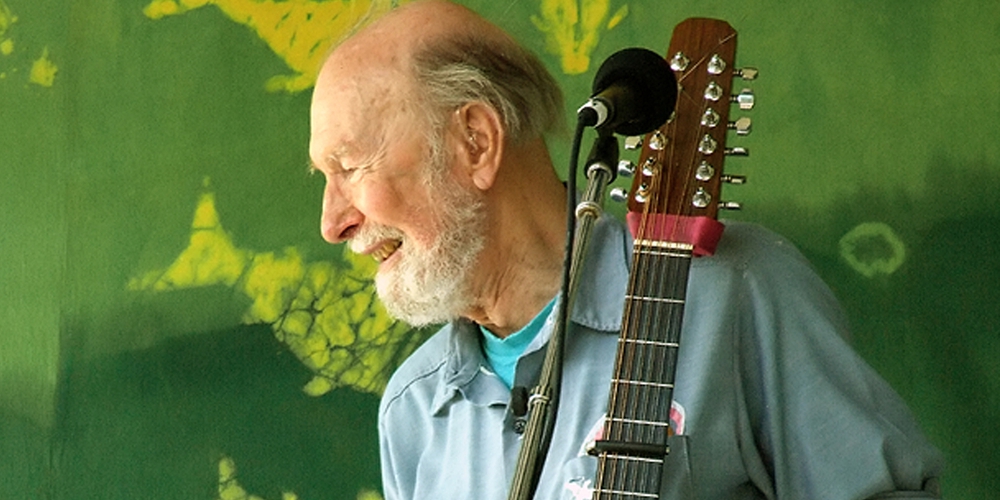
column 601, row 294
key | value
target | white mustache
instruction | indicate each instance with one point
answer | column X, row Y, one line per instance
column 371, row 234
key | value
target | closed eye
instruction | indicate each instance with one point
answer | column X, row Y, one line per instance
column 349, row 161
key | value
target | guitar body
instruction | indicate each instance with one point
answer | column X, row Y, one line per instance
column 673, row 207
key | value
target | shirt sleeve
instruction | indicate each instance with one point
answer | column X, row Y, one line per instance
column 400, row 437
column 390, row 480
column 828, row 426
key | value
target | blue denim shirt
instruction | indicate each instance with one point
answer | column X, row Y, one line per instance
column 771, row 402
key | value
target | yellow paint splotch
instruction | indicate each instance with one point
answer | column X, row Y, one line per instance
column 43, row 71
column 873, row 249
column 573, row 28
column 231, row 489
column 301, row 32
column 7, row 18
column 209, row 259
column 324, row 312
column 369, row 495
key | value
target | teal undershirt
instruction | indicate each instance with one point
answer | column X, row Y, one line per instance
column 502, row 354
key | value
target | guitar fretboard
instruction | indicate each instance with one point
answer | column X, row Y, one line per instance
column 639, row 403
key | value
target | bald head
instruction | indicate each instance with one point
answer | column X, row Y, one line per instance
column 415, row 25
column 430, row 57
column 389, row 44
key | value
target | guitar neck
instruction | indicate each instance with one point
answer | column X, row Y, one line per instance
column 637, row 425
column 672, row 215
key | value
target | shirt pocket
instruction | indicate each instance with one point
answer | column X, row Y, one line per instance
column 676, row 483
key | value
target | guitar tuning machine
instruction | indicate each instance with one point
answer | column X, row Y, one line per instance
column 701, row 198
column 626, row 168
column 705, row 172
column 748, row 73
column 713, row 91
column 618, row 195
column 745, row 99
column 716, row 65
column 679, row 62
column 642, row 194
column 657, row 141
column 633, row 142
column 741, row 126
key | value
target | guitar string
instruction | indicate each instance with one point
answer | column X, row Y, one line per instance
column 608, row 469
column 661, row 280
column 619, row 398
column 624, row 397
column 653, row 275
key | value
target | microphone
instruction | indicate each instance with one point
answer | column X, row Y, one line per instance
column 634, row 92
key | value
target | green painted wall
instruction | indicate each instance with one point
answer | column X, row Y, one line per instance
column 172, row 326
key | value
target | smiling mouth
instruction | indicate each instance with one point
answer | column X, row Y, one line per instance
column 385, row 251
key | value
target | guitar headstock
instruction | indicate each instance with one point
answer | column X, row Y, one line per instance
column 678, row 179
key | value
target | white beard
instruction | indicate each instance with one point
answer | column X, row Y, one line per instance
column 430, row 285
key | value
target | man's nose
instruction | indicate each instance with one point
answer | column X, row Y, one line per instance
column 340, row 219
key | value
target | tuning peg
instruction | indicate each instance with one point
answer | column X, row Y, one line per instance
column 713, row 91
column 707, row 145
column 741, row 126
column 716, row 65
column 649, row 167
column 704, row 172
column 746, row 73
column 679, row 62
column 626, row 168
column 737, row 152
column 730, row 205
column 701, row 198
column 633, row 142
column 745, row 99
column 618, row 195
column 733, row 179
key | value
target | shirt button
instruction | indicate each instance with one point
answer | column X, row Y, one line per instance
column 519, row 425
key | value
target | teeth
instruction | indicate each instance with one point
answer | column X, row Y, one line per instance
column 386, row 250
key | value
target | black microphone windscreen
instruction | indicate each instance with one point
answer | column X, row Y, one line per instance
column 649, row 75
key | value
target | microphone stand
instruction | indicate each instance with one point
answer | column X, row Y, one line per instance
column 543, row 402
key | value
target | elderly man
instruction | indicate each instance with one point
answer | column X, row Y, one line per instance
column 428, row 127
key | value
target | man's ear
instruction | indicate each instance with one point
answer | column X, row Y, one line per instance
column 480, row 139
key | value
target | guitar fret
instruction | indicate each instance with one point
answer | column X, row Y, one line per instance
column 632, row 458
column 624, row 494
column 685, row 248
column 640, row 422
column 653, row 385
column 655, row 299
column 654, row 343
column 659, row 253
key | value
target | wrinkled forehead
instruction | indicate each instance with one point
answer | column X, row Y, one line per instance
column 357, row 104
